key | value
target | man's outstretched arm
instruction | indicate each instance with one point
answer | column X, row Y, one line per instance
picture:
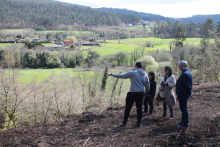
column 123, row 76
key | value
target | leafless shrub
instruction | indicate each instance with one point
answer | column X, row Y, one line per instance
column 163, row 56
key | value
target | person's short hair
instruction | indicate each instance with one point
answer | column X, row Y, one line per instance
column 139, row 64
column 183, row 62
column 169, row 69
column 152, row 75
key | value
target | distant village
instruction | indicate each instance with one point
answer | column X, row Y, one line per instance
column 58, row 44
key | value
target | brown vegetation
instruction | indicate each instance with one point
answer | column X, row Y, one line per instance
column 100, row 129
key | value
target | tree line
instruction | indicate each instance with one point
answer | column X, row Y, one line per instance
column 192, row 30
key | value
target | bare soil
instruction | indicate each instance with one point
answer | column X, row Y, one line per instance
column 101, row 129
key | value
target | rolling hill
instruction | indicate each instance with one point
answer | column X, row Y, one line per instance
column 200, row 18
column 155, row 17
column 144, row 16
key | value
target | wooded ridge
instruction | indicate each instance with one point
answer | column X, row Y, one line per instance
column 49, row 14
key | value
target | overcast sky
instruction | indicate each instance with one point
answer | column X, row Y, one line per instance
column 168, row 8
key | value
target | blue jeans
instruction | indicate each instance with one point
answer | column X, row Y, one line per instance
column 184, row 109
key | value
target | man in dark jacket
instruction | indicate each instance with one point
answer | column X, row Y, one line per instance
column 183, row 92
column 140, row 85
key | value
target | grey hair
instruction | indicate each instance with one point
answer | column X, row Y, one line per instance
column 183, row 63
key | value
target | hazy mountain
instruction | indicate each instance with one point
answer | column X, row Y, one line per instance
column 144, row 16
column 156, row 17
column 200, row 18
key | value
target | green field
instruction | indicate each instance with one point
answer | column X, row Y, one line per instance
column 158, row 42
column 108, row 49
column 154, row 40
column 26, row 75
column 4, row 45
column 47, row 44
column 162, row 46
column 39, row 75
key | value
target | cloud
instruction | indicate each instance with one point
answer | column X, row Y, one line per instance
column 168, row 8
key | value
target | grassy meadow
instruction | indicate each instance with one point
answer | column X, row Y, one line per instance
column 113, row 46
column 108, row 49
column 5, row 45
column 47, row 44
column 39, row 75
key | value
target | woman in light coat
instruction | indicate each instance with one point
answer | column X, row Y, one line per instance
column 167, row 83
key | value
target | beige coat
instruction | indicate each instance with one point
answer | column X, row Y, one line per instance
column 167, row 92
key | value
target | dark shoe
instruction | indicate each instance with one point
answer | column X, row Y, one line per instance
column 149, row 114
column 137, row 125
column 179, row 123
column 122, row 125
column 144, row 112
column 163, row 116
column 182, row 126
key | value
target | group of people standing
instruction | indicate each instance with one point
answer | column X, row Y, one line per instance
column 143, row 89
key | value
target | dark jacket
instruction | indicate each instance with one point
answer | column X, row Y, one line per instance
column 153, row 87
column 184, row 85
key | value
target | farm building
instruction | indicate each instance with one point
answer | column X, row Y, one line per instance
column 86, row 43
column 35, row 40
column 68, row 42
column 129, row 25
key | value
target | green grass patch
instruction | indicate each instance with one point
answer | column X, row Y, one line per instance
column 158, row 42
column 47, row 44
column 108, row 49
column 6, row 44
column 14, row 30
column 39, row 75
column 162, row 46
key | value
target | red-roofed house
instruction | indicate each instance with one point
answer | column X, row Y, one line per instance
column 68, row 42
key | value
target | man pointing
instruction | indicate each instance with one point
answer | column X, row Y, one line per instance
column 139, row 80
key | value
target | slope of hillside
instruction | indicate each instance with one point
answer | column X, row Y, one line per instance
column 100, row 129
column 144, row 16
column 29, row 13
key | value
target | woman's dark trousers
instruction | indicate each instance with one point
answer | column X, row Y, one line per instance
column 165, row 110
column 148, row 100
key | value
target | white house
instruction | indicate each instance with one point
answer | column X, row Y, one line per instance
column 35, row 40
column 129, row 25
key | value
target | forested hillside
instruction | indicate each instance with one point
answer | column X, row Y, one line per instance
column 144, row 16
column 49, row 14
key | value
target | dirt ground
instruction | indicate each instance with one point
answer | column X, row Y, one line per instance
column 101, row 129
